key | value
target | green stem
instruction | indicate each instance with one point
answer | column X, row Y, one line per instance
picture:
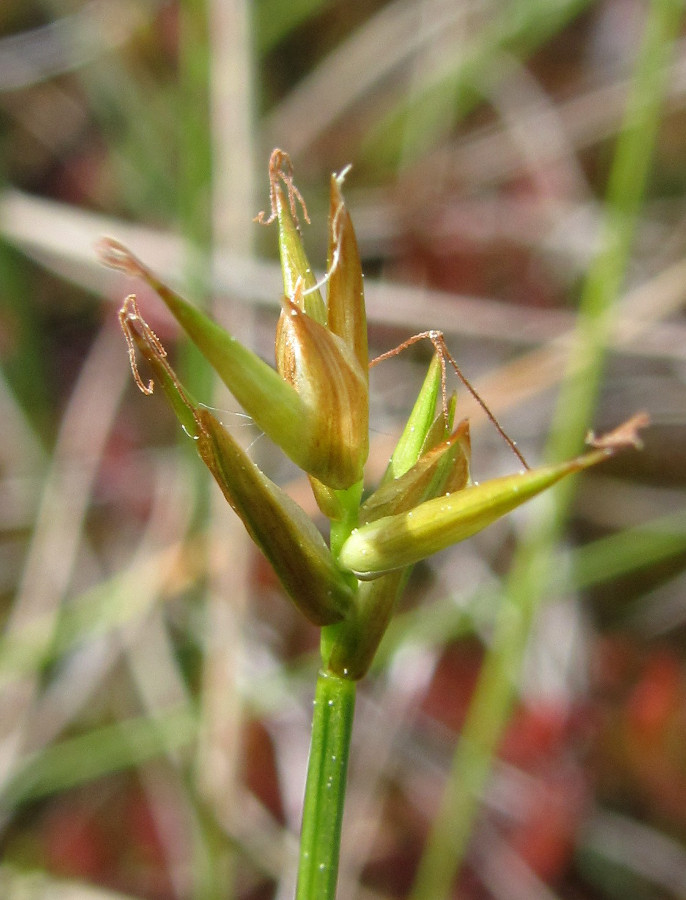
column 334, row 705
column 327, row 769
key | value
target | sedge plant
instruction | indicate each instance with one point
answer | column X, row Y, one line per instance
column 314, row 406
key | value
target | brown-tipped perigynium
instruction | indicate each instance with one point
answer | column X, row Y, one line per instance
column 346, row 313
column 333, row 385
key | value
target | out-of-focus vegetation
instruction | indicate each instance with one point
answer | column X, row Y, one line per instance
column 155, row 687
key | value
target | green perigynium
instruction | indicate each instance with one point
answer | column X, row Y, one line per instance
column 397, row 540
column 314, row 405
column 279, row 527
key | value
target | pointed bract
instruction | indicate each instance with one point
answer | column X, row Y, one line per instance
column 419, row 424
column 442, row 425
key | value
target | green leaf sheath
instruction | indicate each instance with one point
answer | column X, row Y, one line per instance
column 332, row 722
column 348, row 647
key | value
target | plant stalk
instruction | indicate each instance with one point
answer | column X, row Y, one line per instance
column 320, row 839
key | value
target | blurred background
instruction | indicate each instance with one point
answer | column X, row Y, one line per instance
column 155, row 684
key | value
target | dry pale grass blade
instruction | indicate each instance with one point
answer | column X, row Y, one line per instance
column 232, row 101
column 54, row 549
column 636, row 329
column 41, row 717
column 21, row 452
column 136, row 634
column 232, row 90
column 17, row 884
column 171, row 806
column 384, row 718
column 532, row 125
column 155, row 671
column 368, row 61
column 220, row 700
column 637, row 847
column 487, row 156
column 504, row 872
column 62, row 238
column 134, row 630
column 270, row 847
column 662, row 611
column 614, row 504
column 71, row 42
